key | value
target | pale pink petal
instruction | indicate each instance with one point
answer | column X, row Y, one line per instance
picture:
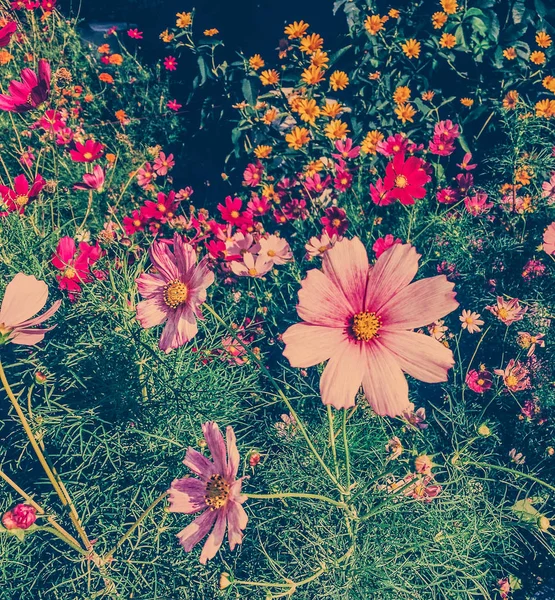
column 199, row 464
column 24, row 297
column 321, row 302
column 41, row 318
column 237, row 520
column 216, row 445
column 180, row 328
column 215, row 539
column 343, row 375
column 419, row 355
column 420, row 303
column 393, row 271
column 187, row 496
column 346, row 265
column 28, row 337
column 164, row 260
column 307, row 345
column 385, row 386
column 232, row 453
column 185, row 254
column 152, row 312
column 150, row 284
column 195, row 531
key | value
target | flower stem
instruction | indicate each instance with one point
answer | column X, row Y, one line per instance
column 512, row 472
column 286, row 401
column 297, row 495
column 347, row 453
column 57, row 485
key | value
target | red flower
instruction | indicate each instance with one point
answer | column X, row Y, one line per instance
column 16, row 199
column 335, row 221
column 6, row 33
column 170, row 63
column 92, row 181
column 29, row 93
column 253, row 174
column 86, row 152
column 447, row 195
column 133, row 223
column 135, row 34
column 21, row 516
column 231, row 211
column 343, row 180
column 48, row 5
column 380, row 194
column 161, row 210
column 74, row 264
column 174, row 105
column 382, row 244
column 405, row 179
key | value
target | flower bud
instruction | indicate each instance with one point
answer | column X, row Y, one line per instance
column 8, row 520
column 544, row 523
column 21, row 516
column 225, row 582
column 484, row 430
column 254, row 458
column 40, row 377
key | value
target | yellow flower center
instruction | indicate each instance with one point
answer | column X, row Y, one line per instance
column 175, row 293
column 161, row 208
column 511, row 381
column 87, row 155
column 322, row 249
column 21, row 200
column 234, row 214
column 481, row 381
column 217, row 492
column 137, row 223
column 401, row 181
column 366, row 326
column 503, row 313
column 70, row 273
column 271, row 252
column 253, row 272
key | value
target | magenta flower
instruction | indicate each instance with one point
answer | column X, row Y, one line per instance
column 170, row 63
column 382, row 244
column 360, row 318
column 217, row 493
column 479, row 381
column 87, row 152
column 135, row 34
column 29, row 93
column 163, row 163
column 6, row 33
column 174, row 293
column 24, row 297
column 92, row 181
column 16, row 199
column 21, row 516
column 174, row 105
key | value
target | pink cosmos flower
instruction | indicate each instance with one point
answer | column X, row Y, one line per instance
column 393, row 145
column 170, row 63
column 345, row 149
column 92, row 181
column 529, row 342
column 549, row 239
column 479, row 381
column 87, row 152
column 465, row 163
column 251, row 266
column 21, row 516
column 135, row 34
column 477, row 204
column 162, row 163
column 173, row 295
column 515, row 376
column 29, row 93
column 174, row 105
column 239, row 245
column 471, row 321
column 316, row 246
column 447, row 195
column 145, row 176
column 415, row 418
column 216, row 492
column 316, row 183
column 382, row 244
column 24, row 297
column 335, row 221
column 253, row 174
column 258, row 205
column 275, row 250
column 360, row 318
column 380, row 194
column 75, row 264
column 507, row 311
column 6, row 33
column 18, row 198
column 405, row 179
column 548, row 189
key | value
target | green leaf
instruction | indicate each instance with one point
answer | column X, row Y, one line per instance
column 248, row 91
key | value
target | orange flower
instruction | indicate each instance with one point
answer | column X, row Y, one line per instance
column 509, row 53
column 439, row 19
column 429, row 95
column 106, row 78
column 373, row 24
column 166, row 36
column 88, row 97
column 116, row 59
column 312, row 75
column 311, row 43
column 394, row 13
column 5, row 57
column 401, row 94
column 524, row 175
column 111, row 158
column 537, row 57
column 332, row 109
column 262, row 151
column 313, row 167
column 371, row 141
column 545, row 108
column 405, row 112
column 297, row 138
column 308, row 110
column 270, row 116
column 549, row 83
column 104, row 49
column 336, row 130
column 411, row 48
column 320, row 59
column 256, row 62
column 339, row 80
column 183, row 20
column 374, row 76
column 449, row 6
column 269, row 77
column 467, row 102
column 510, row 100
column 211, row 32
column 296, row 29
column 122, row 117
column 543, row 39
column 447, row 40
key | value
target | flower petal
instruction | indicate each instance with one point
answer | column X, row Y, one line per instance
column 24, row 297
column 152, row 312
column 420, row 303
column 385, row 386
column 164, row 260
column 216, row 445
column 346, row 265
column 343, row 375
column 321, row 302
column 215, row 539
column 180, row 328
column 307, row 345
column 232, row 453
column 237, row 520
column 199, row 464
column 393, row 271
column 419, row 355
column 187, row 495
column 195, row 531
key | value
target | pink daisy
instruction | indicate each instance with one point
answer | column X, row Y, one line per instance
column 174, row 293
column 217, row 493
column 549, row 239
column 24, row 297
column 360, row 318
column 471, row 321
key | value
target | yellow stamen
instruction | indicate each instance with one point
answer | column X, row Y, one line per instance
column 217, row 492
column 366, row 326
column 175, row 293
column 401, row 181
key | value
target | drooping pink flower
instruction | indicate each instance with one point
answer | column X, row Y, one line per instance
column 529, row 342
column 515, row 376
column 549, row 239
column 21, row 516
column 75, row 264
column 360, row 319
column 480, row 380
column 92, row 181
column 465, row 163
column 415, row 418
column 507, row 311
column 24, row 297
column 345, row 149
column 18, row 198
column 29, row 93
column 216, row 494
column 382, row 244
column 173, row 295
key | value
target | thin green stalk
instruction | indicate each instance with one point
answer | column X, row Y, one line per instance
column 347, row 453
column 512, row 472
column 279, row 495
